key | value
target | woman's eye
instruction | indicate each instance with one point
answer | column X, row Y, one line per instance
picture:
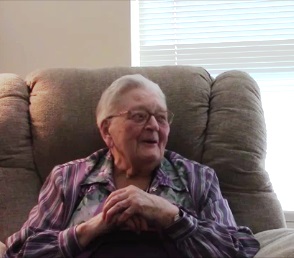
column 139, row 117
column 161, row 117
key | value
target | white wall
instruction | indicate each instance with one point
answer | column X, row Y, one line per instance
column 43, row 34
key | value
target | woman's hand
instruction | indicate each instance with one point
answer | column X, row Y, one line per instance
column 92, row 228
column 128, row 208
column 131, row 202
column 135, row 223
column 96, row 226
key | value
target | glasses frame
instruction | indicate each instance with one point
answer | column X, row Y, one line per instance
column 128, row 112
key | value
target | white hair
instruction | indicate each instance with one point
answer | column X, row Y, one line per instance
column 124, row 84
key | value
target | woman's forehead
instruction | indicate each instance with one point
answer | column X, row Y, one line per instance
column 140, row 97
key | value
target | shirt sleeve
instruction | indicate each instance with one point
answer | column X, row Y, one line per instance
column 211, row 231
column 44, row 233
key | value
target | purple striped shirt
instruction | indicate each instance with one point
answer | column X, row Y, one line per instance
column 206, row 229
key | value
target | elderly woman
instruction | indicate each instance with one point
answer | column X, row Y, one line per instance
column 133, row 199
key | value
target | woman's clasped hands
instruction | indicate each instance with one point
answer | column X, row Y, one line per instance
column 133, row 209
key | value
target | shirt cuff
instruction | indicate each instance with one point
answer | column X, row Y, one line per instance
column 68, row 242
column 182, row 228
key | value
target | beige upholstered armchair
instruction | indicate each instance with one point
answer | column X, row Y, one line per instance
column 49, row 118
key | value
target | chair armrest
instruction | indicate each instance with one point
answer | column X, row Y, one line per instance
column 276, row 243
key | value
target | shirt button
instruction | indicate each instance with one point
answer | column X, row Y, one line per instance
column 153, row 189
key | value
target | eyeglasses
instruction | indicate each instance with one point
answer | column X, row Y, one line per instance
column 140, row 117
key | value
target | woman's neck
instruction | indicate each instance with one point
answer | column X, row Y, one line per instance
column 133, row 170
column 142, row 181
column 127, row 173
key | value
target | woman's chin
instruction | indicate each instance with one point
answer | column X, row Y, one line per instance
column 149, row 154
column 151, row 157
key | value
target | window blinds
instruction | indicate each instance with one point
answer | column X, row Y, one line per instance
column 253, row 36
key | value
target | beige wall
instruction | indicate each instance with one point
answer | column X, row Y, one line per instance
column 42, row 34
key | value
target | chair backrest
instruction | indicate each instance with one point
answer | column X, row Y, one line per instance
column 19, row 182
column 218, row 122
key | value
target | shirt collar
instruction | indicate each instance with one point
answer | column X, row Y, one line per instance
column 102, row 172
column 166, row 175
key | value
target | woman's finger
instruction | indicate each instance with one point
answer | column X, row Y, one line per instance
column 115, row 193
column 118, row 208
column 126, row 215
column 114, row 200
column 143, row 224
column 130, row 225
column 137, row 222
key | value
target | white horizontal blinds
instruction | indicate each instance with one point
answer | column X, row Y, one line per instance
column 253, row 36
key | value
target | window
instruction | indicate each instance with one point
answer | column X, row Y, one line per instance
column 256, row 36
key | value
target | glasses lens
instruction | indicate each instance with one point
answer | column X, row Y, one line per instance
column 170, row 117
column 164, row 118
column 139, row 116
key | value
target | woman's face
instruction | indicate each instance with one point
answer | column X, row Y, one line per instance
column 133, row 143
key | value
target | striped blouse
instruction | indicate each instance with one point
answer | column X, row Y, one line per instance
column 206, row 229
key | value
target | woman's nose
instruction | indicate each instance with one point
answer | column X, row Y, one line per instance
column 152, row 123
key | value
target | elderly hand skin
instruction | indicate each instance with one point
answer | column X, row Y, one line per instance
column 89, row 230
column 132, row 201
column 129, row 207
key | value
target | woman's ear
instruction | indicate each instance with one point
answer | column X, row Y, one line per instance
column 104, row 131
